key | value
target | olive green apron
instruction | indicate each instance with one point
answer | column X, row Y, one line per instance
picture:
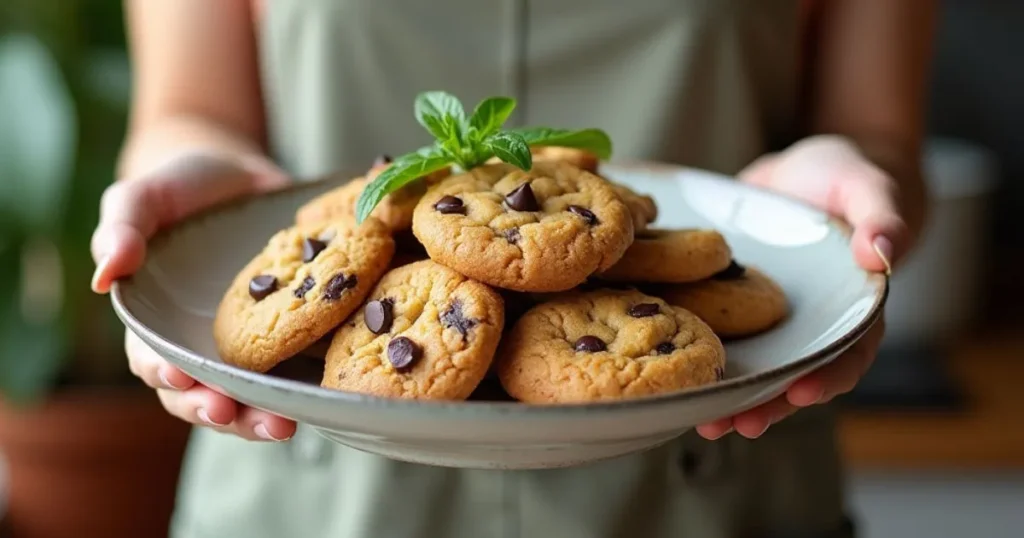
column 708, row 83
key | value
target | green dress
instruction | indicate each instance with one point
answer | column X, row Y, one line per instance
column 707, row 83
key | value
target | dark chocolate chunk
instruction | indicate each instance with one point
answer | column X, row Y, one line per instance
column 590, row 344
column 261, row 286
column 310, row 248
column 587, row 214
column 403, row 353
column 379, row 316
column 735, row 271
column 512, row 235
column 644, row 310
column 382, row 160
column 522, row 199
column 665, row 348
column 307, row 284
column 337, row 285
column 450, row 205
column 453, row 318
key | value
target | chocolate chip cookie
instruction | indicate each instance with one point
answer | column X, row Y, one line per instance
column 738, row 301
column 671, row 256
column 641, row 206
column 543, row 230
column 425, row 332
column 606, row 345
column 395, row 210
column 304, row 283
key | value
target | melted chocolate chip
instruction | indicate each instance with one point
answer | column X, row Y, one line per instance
column 512, row 235
column 665, row 348
column 337, row 285
column 735, row 271
column 453, row 318
column 307, row 284
column 379, row 316
column 587, row 214
column 403, row 353
column 720, row 373
column 590, row 344
column 644, row 310
column 310, row 248
column 261, row 286
column 522, row 199
column 382, row 160
column 450, row 205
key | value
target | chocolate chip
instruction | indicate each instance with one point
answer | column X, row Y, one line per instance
column 310, row 248
column 453, row 318
column 450, row 205
column 261, row 286
column 719, row 373
column 403, row 353
column 644, row 310
column 735, row 271
column 379, row 316
column 307, row 284
column 665, row 348
column 522, row 199
column 590, row 344
column 382, row 160
column 512, row 235
column 587, row 214
column 337, row 285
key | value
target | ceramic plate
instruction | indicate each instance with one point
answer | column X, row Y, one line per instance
column 170, row 304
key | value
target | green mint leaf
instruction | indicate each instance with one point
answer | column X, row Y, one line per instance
column 511, row 148
column 594, row 140
column 491, row 114
column 441, row 113
column 402, row 171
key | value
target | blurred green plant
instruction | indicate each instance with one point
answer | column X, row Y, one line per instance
column 64, row 87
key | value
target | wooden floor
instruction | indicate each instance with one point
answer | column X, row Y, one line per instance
column 988, row 435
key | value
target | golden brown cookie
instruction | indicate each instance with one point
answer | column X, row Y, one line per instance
column 606, row 345
column 304, row 283
column 395, row 210
column 641, row 206
column 736, row 302
column 543, row 230
column 671, row 256
column 425, row 332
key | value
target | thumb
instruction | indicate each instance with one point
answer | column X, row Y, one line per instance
column 131, row 211
column 867, row 201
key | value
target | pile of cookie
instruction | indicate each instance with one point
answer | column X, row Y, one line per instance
column 551, row 280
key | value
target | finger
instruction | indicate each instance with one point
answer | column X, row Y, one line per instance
column 841, row 375
column 257, row 425
column 753, row 423
column 199, row 405
column 715, row 430
column 151, row 368
column 866, row 198
column 761, row 171
column 132, row 211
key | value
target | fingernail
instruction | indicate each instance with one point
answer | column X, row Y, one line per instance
column 766, row 426
column 205, row 417
column 262, row 432
column 100, row 267
column 167, row 382
column 883, row 247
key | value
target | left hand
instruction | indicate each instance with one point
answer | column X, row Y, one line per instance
column 831, row 173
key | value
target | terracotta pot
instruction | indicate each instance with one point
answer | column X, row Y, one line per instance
column 100, row 462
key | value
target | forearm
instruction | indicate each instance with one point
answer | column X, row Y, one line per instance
column 146, row 147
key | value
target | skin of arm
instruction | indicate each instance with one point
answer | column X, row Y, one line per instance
column 869, row 71
column 196, row 81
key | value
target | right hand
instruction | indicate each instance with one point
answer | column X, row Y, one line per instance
column 131, row 211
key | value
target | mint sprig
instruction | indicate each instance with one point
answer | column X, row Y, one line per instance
column 469, row 142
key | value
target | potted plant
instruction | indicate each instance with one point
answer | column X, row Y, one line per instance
column 88, row 450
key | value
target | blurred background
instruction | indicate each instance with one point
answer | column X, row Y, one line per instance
column 932, row 436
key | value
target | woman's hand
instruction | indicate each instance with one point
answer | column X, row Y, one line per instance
column 131, row 212
column 831, row 173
